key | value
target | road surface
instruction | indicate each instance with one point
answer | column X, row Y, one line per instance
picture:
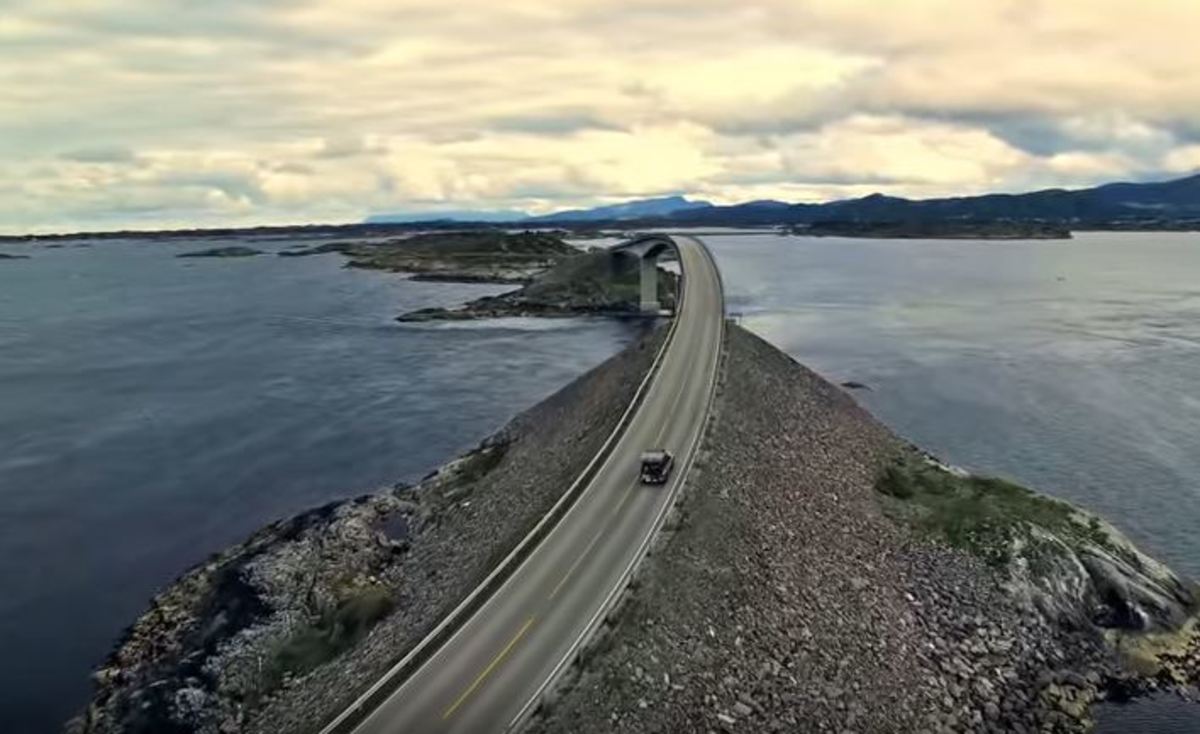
column 481, row 678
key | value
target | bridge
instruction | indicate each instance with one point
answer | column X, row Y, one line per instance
column 490, row 664
column 647, row 248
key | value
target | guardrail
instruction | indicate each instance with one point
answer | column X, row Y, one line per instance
column 614, row 596
column 425, row 649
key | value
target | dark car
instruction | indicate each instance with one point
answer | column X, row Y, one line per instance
column 656, row 466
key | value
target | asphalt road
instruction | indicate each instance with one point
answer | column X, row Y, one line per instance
column 486, row 673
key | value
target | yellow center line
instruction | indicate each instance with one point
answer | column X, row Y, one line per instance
column 488, row 670
column 591, row 544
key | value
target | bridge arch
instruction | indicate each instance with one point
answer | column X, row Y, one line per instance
column 647, row 248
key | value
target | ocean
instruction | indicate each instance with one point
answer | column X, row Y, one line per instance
column 154, row 410
column 1071, row 366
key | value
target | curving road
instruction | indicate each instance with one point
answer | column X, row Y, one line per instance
column 482, row 679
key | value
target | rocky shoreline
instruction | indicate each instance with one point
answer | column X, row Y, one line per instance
column 594, row 283
column 799, row 590
column 282, row 631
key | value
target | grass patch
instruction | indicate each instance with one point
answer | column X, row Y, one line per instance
column 982, row 515
column 334, row 633
column 479, row 464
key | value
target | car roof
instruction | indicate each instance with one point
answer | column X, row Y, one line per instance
column 655, row 455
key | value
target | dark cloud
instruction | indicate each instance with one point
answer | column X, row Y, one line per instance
column 809, row 178
column 555, row 123
column 347, row 147
column 101, row 154
column 1045, row 135
column 298, row 169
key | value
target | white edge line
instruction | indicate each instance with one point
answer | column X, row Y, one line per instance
column 531, row 705
column 587, row 475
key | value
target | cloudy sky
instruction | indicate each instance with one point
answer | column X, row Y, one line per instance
column 148, row 113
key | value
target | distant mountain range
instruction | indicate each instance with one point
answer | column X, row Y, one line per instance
column 1052, row 212
column 667, row 206
column 1120, row 204
column 637, row 209
column 1177, row 200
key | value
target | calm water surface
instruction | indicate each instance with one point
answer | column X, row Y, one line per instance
column 1071, row 366
column 154, row 410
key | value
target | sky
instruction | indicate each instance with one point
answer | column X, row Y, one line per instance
column 182, row 113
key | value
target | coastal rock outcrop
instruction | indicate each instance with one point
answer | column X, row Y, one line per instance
column 593, row 283
column 1069, row 564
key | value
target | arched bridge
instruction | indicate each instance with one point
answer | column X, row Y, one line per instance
column 494, row 659
column 647, row 248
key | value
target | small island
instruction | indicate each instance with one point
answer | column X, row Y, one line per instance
column 231, row 251
column 481, row 256
column 593, row 283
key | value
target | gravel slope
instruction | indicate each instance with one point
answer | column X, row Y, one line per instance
column 787, row 601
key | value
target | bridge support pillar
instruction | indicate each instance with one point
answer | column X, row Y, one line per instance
column 649, row 283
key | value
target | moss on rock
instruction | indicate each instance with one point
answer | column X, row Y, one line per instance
column 1069, row 563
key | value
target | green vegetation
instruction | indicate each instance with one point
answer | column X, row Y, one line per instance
column 984, row 515
column 458, row 479
column 597, row 277
column 335, row 631
column 597, row 282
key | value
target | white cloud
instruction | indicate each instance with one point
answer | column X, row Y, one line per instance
column 149, row 112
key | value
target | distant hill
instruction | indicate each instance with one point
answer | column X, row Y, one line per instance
column 1171, row 202
column 1165, row 204
column 638, row 209
column 1148, row 206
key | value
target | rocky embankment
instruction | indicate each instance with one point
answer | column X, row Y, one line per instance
column 825, row 576
column 594, row 283
column 281, row 632
column 480, row 256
